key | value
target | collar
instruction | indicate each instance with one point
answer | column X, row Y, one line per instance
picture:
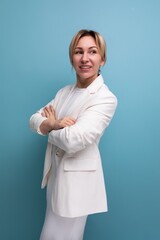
column 95, row 85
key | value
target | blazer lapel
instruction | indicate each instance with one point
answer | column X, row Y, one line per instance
column 62, row 101
column 77, row 105
column 89, row 92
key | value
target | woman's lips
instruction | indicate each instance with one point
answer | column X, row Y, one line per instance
column 85, row 67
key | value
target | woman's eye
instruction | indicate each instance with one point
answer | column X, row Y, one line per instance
column 78, row 52
column 93, row 52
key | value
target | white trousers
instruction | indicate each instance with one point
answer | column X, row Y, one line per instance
column 61, row 228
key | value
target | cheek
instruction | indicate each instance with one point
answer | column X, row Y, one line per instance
column 97, row 64
column 75, row 62
column 100, row 63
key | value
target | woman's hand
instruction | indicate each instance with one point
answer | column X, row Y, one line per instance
column 49, row 113
column 64, row 122
column 51, row 123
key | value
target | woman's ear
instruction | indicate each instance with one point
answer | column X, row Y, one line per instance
column 102, row 63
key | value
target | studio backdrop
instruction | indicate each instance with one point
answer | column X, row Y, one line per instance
column 34, row 65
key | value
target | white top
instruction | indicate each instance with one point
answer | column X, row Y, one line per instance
column 74, row 97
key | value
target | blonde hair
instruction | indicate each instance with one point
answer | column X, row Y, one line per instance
column 100, row 42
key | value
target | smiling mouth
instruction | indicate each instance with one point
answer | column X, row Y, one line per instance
column 85, row 67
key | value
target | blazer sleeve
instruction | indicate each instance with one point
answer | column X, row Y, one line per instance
column 36, row 119
column 89, row 126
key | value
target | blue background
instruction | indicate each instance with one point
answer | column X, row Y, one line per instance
column 34, row 64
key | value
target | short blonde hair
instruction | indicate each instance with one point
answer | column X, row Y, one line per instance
column 100, row 42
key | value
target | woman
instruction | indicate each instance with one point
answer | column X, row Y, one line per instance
column 74, row 121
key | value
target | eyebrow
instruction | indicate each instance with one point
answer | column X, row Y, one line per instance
column 89, row 47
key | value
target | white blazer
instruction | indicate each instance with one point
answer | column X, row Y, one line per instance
column 79, row 188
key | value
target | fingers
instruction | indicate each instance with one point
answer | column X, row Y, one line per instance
column 51, row 109
column 67, row 121
column 70, row 121
column 48, row 111
column 70, row 118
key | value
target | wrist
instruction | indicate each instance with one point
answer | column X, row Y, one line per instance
column 51, row 126
column 55, row 125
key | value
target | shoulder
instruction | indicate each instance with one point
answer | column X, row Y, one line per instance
column 99, row 90
column 109, row 93
column 106, row 95
column 64, row 90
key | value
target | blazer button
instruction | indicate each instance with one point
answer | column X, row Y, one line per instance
column 57, row 153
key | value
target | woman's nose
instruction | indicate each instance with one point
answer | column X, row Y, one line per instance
column 84, row 57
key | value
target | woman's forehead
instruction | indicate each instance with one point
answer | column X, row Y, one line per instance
column 86, row 41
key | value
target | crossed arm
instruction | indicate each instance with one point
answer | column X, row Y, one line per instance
column 71, row 134
column 51, row 123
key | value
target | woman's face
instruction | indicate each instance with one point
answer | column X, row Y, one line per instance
column 86, row 61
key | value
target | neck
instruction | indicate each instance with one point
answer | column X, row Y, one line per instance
column 85, row 82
